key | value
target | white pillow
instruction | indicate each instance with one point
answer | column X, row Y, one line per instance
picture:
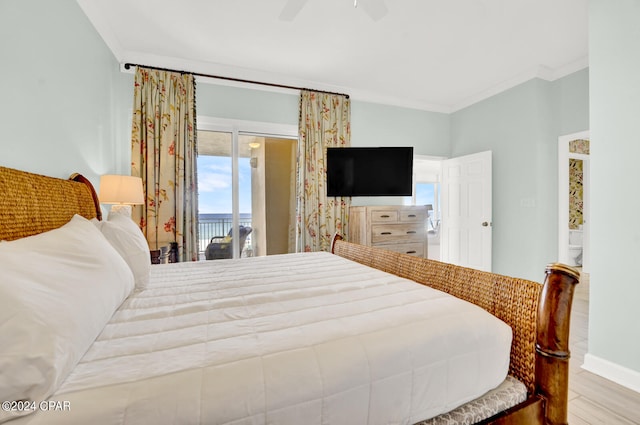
column 57, row 292
column 127, row 238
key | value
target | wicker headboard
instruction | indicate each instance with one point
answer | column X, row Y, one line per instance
column 32, row 203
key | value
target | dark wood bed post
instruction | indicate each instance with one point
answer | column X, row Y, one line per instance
column 552, row 342
column 336, row 237
column 82, row 179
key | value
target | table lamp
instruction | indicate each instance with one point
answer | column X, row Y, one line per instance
column 121, row 192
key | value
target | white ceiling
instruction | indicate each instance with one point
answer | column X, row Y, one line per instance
column 438, row 55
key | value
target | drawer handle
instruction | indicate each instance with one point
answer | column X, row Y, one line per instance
column 385, row 233
column 412, row 216
column 411, row 252
column 384, row 216
column 410, row 232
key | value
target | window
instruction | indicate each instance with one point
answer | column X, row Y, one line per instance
column 428, row 194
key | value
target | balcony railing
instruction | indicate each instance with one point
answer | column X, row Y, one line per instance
column 210, row 225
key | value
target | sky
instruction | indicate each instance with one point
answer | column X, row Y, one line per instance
column 424, row 193
column 214, row 184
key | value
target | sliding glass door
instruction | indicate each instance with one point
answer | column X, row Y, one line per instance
column 246, row 187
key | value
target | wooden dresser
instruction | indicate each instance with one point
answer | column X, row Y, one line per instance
column 394, row 227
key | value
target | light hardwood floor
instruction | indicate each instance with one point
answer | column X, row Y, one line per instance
column 592, row 399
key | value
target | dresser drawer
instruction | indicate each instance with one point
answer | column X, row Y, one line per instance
column 413, row 215
column 384, row 215
column 416, row 249
column 393, row 233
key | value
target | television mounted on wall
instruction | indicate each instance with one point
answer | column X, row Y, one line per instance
column 370, row 171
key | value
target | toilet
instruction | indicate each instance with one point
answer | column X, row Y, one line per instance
column 575, row 247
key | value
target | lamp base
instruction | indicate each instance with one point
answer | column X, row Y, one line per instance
column 120, row 209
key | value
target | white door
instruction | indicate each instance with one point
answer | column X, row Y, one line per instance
column 466, row 211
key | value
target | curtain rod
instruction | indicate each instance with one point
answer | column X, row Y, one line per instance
column 239, row 80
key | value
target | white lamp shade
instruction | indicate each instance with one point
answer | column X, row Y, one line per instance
column 123, row 190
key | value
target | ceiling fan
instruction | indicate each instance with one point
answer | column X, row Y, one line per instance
column 376, row 9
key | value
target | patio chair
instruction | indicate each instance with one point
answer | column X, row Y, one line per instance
column 220, row 246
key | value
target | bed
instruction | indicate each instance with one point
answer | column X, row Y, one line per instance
column 359, row 335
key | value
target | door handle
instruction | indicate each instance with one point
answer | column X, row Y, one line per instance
column 486, row 224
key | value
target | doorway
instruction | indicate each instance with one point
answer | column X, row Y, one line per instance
column 459, row 228
column 574, row 200
column 246, row 187
column 426, row 191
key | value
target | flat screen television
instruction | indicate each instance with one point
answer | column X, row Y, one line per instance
column 383, row 171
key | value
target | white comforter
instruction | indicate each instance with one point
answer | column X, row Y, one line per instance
column 291, row 339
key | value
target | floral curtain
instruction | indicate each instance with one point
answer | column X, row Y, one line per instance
column 324, row 122
column 163, row 153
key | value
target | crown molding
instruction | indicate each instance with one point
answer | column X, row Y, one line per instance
column 541, row 72
column 255, row 75
column 571, row 67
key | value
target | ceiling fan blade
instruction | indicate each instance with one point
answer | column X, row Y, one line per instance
column 376, row 9
column 291, row 9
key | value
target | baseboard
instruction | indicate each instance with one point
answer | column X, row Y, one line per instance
column 614, row 372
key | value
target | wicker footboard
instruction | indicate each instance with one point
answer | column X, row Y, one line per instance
column 538, row 315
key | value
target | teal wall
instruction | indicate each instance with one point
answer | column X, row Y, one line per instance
column 371, row 124
column 246, row 104
column 383, row 125
column 65, row 106
column 521, row 127
column 614, row 60
column 570, row 98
